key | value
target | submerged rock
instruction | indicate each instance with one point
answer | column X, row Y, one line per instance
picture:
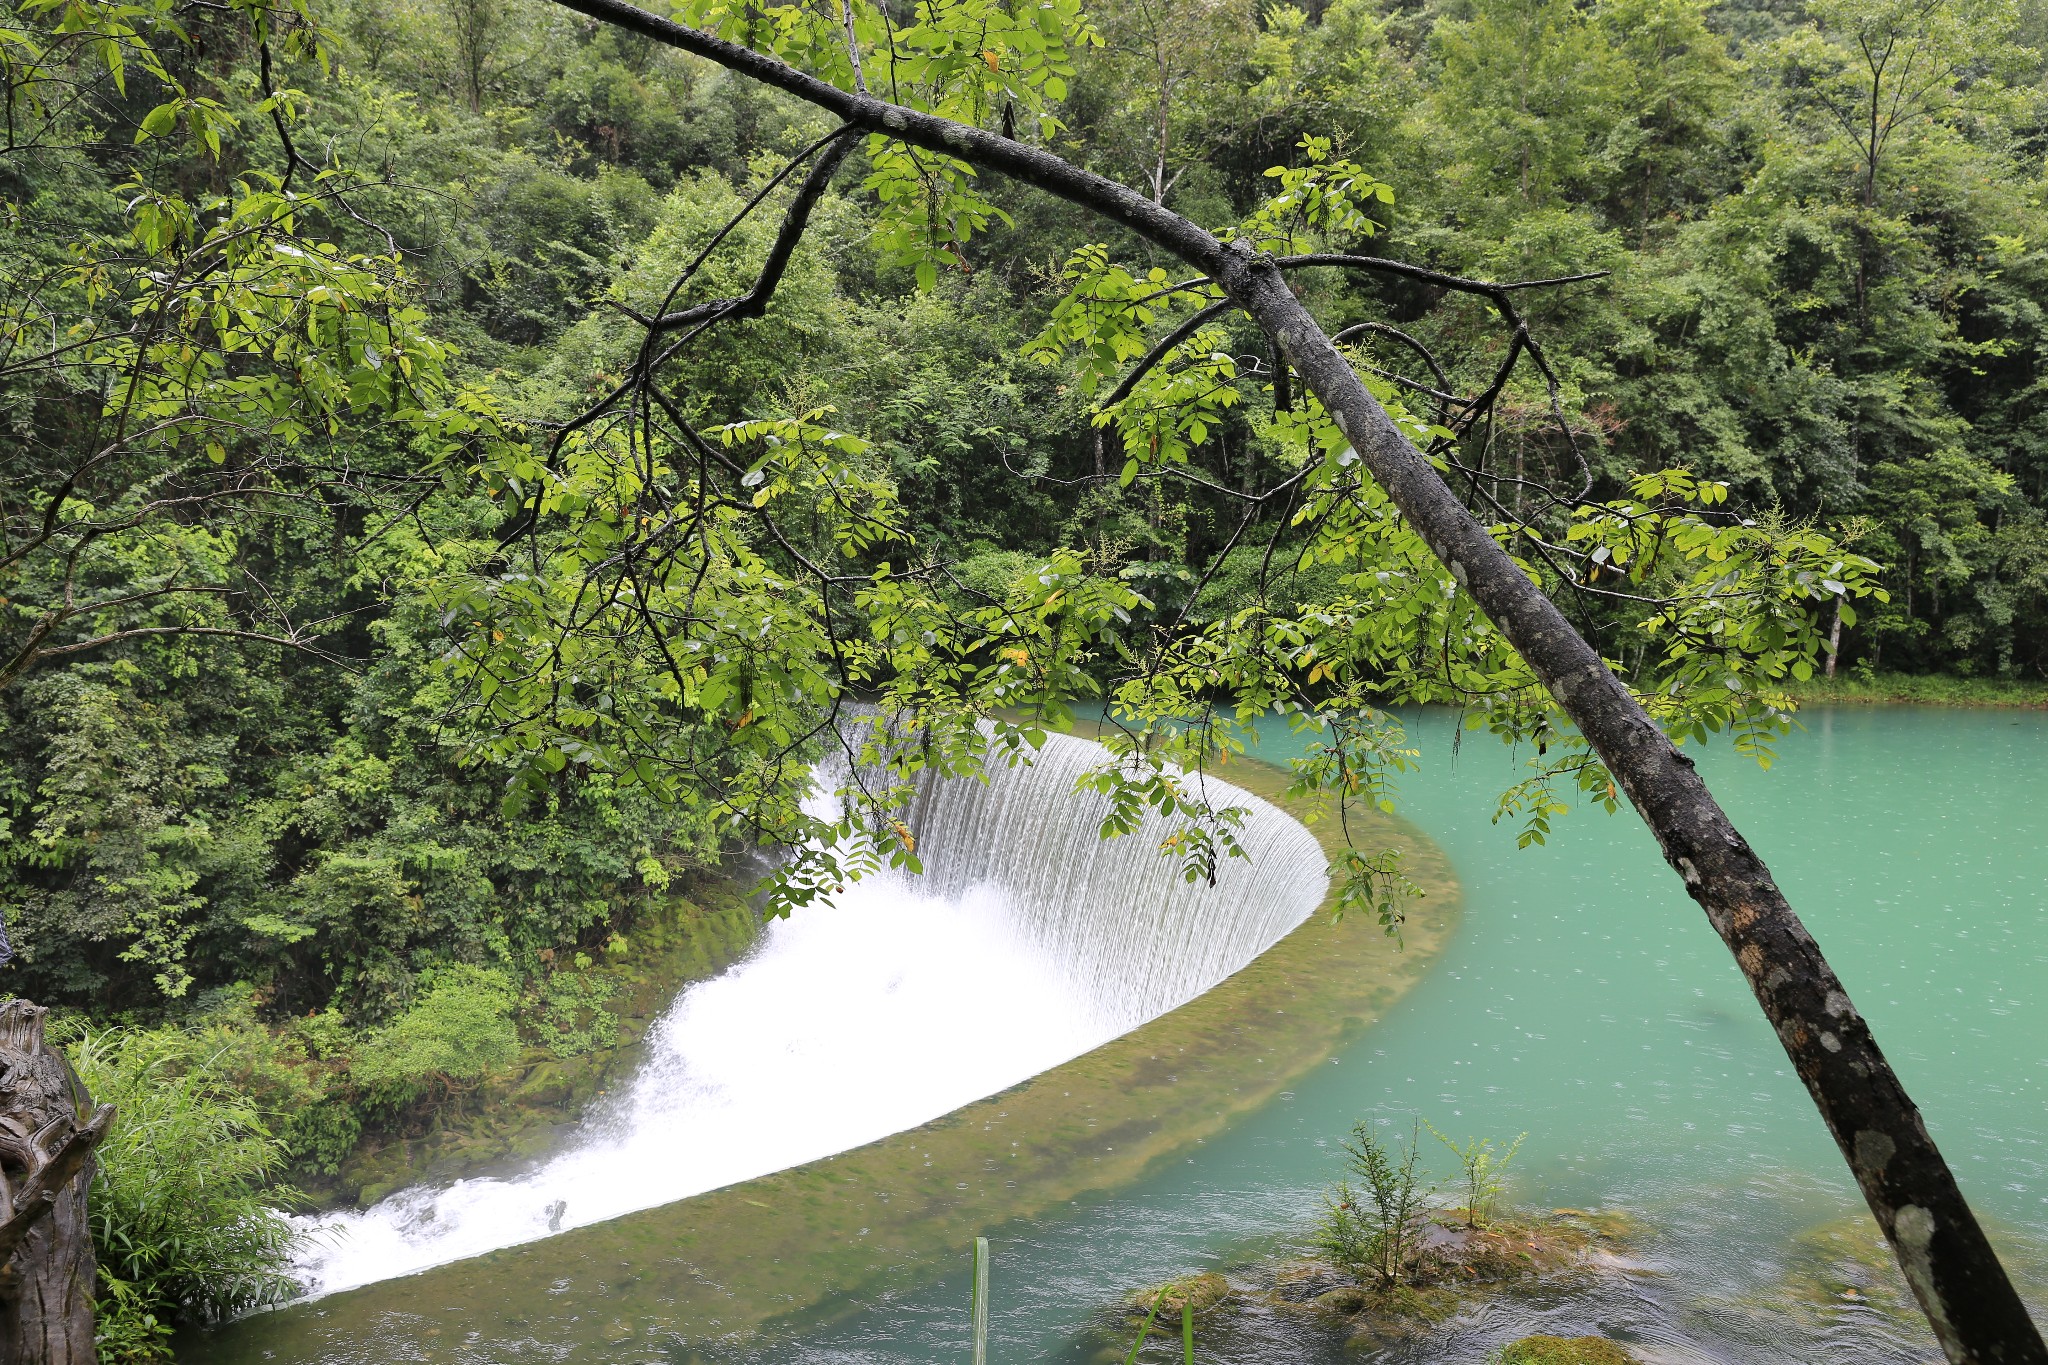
column 1566, row 1351
column 1839, row 1278
column 1343, row 1299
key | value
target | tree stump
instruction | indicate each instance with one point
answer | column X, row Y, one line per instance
column 46, row 1144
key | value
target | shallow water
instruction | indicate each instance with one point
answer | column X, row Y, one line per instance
column 1587, row 1003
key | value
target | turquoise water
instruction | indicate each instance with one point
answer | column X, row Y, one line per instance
column 1587, row 1003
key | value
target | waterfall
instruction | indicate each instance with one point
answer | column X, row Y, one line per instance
column 1127, row 931
column 1027, row 941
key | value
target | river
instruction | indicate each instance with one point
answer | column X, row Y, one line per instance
column 1583, row 1001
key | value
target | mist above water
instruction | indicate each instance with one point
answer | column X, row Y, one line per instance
column 1027, row 942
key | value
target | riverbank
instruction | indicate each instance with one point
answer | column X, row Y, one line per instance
column 1915, row 689
column 527, row 1110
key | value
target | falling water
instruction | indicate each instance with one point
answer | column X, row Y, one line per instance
column 1027, row 942
column 1126, row 930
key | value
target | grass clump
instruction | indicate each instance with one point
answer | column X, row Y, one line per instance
column 185, row 1223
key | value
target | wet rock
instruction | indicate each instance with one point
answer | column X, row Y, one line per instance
column 546, row 1086
column 1404, row 1313
column 1306, row 1281
column 1203, row 1292
column 1566, row 1351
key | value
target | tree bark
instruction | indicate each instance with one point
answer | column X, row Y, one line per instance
column 47, row 1272
column 1948, row 1261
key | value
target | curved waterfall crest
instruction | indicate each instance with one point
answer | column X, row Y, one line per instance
column 1127, row 928
column 1027, row 941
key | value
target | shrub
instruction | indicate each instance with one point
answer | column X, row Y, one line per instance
column 570, row 1018
column 1480, row 1162
column 458, row 1033
column 1370, row 1230
column 182, row 1222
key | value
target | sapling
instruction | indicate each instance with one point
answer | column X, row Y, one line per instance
column 1481, row 1162
column 1370, row 1230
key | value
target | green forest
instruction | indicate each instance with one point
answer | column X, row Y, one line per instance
column 292, row 297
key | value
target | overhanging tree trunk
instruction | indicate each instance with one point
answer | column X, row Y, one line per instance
column 46, row 1143
column 1949, row 1263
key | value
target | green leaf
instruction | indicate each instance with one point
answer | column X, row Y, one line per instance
column 158, row 121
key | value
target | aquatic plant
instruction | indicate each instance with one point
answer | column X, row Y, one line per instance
column 1370, row 1230
column 1480, row 1168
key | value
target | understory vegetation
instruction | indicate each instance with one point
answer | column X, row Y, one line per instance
column 324, row 829
column 187, row 1219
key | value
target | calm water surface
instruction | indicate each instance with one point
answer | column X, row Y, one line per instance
column 1587, row 1003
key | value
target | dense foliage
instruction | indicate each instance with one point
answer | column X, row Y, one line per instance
column 292, row 748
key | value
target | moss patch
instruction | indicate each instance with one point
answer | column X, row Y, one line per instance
column 1566, row 1351
column 1202, row 1293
